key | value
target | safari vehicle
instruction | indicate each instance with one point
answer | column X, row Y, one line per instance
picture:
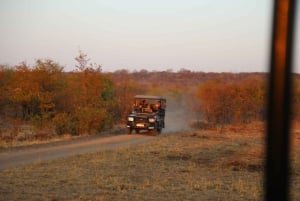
column 148, row 114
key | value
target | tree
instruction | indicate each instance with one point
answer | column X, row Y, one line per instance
column 21, row 90
column 34, row 90
column 89, row 96
column 48, row 76
column 88, row 82
column 82, row 61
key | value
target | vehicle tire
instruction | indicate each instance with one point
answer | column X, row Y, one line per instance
column 158, row 128
column 156, row 131
column 137, row 131
column 129, row 131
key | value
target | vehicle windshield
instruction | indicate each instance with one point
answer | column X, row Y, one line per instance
column 147, row 105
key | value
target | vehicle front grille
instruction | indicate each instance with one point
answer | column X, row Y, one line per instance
column 140, row 119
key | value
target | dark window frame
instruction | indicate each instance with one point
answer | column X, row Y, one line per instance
column 279, row 104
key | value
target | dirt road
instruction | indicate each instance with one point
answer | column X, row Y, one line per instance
column 27, row 155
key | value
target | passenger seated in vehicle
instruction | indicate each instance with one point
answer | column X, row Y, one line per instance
column 141, row 105
column 148, row 109
column 158, row 105
column 144, row 106
column 153, row 107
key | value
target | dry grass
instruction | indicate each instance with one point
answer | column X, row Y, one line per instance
column 202, row 165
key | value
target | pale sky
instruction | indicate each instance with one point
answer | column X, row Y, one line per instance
column 200, row 35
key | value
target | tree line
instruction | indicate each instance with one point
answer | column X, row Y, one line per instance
column 88, row 101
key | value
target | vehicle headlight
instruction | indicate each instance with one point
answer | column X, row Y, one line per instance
column 151, row 120
column 130, row 119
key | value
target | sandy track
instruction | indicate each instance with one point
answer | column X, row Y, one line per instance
column 25, row 156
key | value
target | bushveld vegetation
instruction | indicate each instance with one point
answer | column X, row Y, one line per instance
column 226, row 103
column 44, row 96
column 44, row 100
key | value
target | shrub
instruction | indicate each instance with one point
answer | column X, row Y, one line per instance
column 61, row 123
column 88, row 120
column 228, row 102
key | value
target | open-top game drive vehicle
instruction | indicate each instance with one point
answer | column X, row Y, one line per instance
column 148, row 114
